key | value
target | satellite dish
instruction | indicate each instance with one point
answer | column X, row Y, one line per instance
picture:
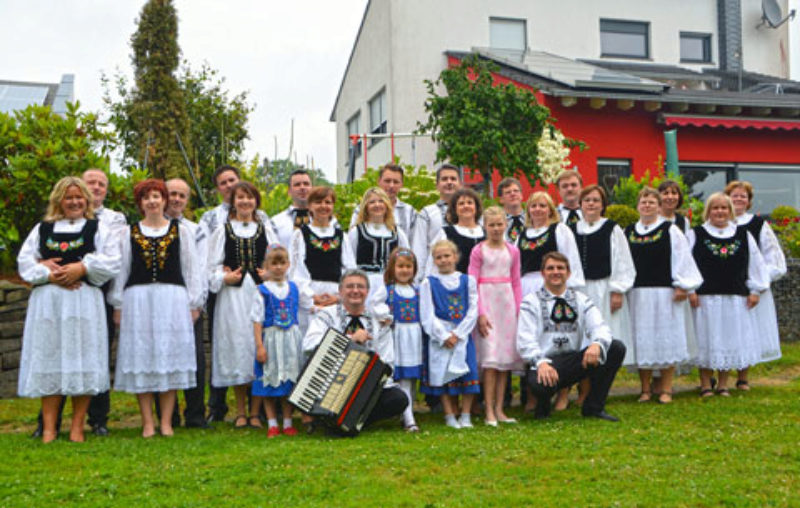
column 771, row 14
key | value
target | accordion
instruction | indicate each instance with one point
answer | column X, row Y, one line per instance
column 341, row 383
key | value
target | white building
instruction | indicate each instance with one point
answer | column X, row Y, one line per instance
column 401, row 43
column 16, row 95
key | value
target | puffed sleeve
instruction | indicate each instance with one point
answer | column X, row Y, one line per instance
column 516, row 277
column 623, row 271
column 376, row 303
column 467, row 324
column 104, row 263
column 566, row 244
column 114, row 297
column 298, row 272
column 191, row 275
column 528, row 330
column 427, row 261
column 352, row 237
column 216, row 258
column 269, row 227
column 757, row 268
column 419, row 242
column 430, row 323
column 402, row 239
column 305, row 295
column 257, row 308
column 772, row 252
column 201, row 240
column 28, row 258
column 348, row 256
column 595, row 329
column 685, row 274
column 317, row 328
column 474, row 270
column 354, row 217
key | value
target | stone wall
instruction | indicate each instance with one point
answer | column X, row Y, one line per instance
column 787, row 300
column 13, row 304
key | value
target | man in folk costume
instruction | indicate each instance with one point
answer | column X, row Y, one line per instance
column 569, row 183
column 509, row 193
column 553, row 322
column 390, row 179
column 296, row 215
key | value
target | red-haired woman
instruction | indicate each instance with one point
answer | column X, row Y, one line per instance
column 156, row 297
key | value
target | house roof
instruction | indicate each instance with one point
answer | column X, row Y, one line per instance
column 16, row 95
column 349, row 61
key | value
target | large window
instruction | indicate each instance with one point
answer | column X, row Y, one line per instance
column 354, row 128
column 609, row 171
column 508, row 33
column 377, row 114
column 628, row 39
column 704, row 180
column 695, row 47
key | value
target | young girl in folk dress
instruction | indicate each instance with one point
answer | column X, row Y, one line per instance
column 449, row 311
column 277, row 340
column 494, row 263
column 402, row 297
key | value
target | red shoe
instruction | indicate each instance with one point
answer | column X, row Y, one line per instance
column 273, row 432
column 289, row 431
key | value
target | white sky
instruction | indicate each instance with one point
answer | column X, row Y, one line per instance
column 290, row 56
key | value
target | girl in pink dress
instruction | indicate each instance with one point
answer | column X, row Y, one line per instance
column 495, row 264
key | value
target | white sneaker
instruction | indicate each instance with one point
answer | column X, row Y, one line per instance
column 452, row 423
column 465, row 422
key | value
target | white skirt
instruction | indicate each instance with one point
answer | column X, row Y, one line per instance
column 64, row 343
column 156, row 340
column 726, row 331
column 234, row 351
column 659, row 328
column 767, row 334
column 619, row 321
column 407, row 344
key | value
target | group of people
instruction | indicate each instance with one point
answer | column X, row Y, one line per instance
column 453, row 297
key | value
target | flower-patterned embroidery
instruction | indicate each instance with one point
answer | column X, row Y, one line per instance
column 651, row 238
column 64, row 246
column 525, row 244
column 280, row 310
column 455, row 306
column 325, row 244
column 155, row 249
column 723, row 250
column 407, row 308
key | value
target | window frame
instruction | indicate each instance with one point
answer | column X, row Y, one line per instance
column 625, row 26
column 383, row 126
column 612, row 163
column 706, row 41
column 357, row 117
column 524, row 23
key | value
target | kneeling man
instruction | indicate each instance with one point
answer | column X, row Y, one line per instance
column 554, row 323
column 352, row 318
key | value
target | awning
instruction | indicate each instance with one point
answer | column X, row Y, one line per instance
column 728, row 122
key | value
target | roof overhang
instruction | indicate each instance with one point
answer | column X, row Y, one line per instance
column 727, row 122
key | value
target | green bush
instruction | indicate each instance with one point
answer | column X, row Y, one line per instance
column 785, row 221
column 623, row 215
column 783, row 212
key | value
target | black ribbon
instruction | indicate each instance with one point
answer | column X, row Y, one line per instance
column 562, row 312
column 353, row 325
column 517, row 226
column 300, row 217
column 573, row 217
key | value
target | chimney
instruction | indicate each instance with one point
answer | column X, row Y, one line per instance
column 729, row 23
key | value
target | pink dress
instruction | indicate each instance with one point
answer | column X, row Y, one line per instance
column 499, row 294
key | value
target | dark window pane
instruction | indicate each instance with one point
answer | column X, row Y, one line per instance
column 609, row 173
column 624, row 38
column 695, row 47
column 772, row 188
column 704, row 181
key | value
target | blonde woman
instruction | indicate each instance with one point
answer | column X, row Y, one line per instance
column 66, row 258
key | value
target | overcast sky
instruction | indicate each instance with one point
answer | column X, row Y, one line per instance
column 290, row 56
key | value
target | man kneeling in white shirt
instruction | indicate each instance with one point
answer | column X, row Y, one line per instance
column 553, row 324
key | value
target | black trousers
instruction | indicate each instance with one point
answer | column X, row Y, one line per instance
column 391, row 403
column 570, row 371
column 195, row 412
column 217, row 407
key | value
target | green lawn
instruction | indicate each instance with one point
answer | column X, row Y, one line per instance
column 740, row 451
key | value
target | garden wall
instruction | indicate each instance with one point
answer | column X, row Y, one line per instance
column 14, row 302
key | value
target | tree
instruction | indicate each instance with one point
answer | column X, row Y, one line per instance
column 38, row 148
column 271, row 173
column 483, row 125
column 152, row 115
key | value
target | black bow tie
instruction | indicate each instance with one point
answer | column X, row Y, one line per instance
column 562, row 312
column 353, row 325
column 300, row 217
column 573, row 217
column 516, row 227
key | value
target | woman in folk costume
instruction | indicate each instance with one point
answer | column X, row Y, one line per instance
column 494, row 264
column 449, row 311
column 665, row 273
column 236, row 256
column 671, row 201
column 545, row 233
column 608, row 269
column 157, row 296
column 734, row 275
column 66, row 258
column 463, row 227
column 741, row 194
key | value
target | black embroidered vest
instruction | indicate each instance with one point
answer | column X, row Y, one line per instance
column 464, row 244
column 155, row 259
column 247, row 253
column 323, row 255
column 722, row 262
column 372, row 254
column 595, row 251
column 532, row 250
column 652, row 256
column 680, row 221
column 70, row 247
column 754, row 227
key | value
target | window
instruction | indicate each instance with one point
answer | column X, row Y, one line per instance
column 609, row 171
column 772, row 186
column 629, row 39
column 353, row 127
column 704, row 180
column 695, row 47
column 507, row 33
column 377, row 114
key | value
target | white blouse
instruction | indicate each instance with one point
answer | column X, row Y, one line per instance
column 101, row 265
column 297, row 252
column 280, row 290
column 379, row 230
column 685, row 274
column 436, row 328
column 623, row 271
column 188, row 255
column 216, row 251
column 770, row 247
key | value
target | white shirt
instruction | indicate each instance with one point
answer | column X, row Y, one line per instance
column 430, row 221
column 685, row 274
column 217, row 216
column 297, row 252
column 216, row 252
column 770, row 247
column 623, row 271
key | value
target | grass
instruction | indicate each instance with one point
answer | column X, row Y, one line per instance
column 740, row 451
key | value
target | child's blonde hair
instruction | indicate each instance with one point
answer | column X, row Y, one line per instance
column 275, row 253
column 493, row 211
column 446, row 244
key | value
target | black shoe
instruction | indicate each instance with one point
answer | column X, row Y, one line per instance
column 37, row 434
column 100, row 430
column 202, row 424
column 212, row 418
column 603, row 416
